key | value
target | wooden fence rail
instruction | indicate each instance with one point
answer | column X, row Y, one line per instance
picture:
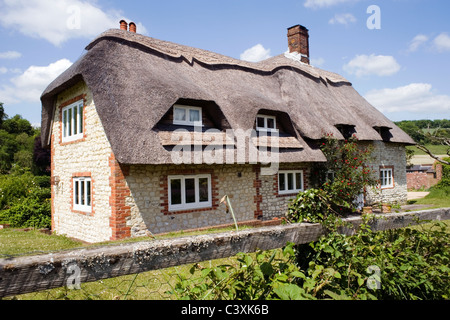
column 40, row 272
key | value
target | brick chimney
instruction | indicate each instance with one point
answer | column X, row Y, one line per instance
column 123, row 25
column 298, row 41
column 132, row 27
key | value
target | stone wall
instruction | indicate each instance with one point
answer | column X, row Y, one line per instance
column 272, row 203
column 88, row 156
column 389, row 155
column 149, row 197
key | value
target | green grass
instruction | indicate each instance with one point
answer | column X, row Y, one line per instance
column 438, row 198
column 16, row 242
column 435, row 149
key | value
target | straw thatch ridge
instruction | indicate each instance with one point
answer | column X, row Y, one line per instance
column 136, row 79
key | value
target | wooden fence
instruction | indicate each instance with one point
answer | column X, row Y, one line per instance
column 40, row 272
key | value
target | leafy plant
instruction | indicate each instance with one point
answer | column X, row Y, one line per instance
column 404, row 264
column 25, row 200
column 346, row 173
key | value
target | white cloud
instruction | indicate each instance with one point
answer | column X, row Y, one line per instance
column 59, row 21
column 317, row 62
column 415, row 97
column 317, row 4
column 418, row 41
column 3, row 70
column 255, row 54
column 442, row 42
column 342, row 18
column 363, row 65
column 29, row 85
column 10, row 55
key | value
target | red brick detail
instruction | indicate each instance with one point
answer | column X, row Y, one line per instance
column 65, row 104
column 117, row 200
column 164, row 190
column 52, row 186
column 87, row 175
column 258, row 197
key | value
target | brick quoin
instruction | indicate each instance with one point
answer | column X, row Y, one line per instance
column 117, row 200
column 258, row 196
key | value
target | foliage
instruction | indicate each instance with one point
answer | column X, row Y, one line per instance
column 403, row 264
column 445, row 181
column 25, row 200
column 338, row 182
column 423, row 131
column 312, row 205
column 261, row 277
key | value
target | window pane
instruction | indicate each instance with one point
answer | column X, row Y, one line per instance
column 270, row 123
column 82, row 199
column 88, row 193
column 260, row 122
column 179, row 114
column 77, row 201
column 190, row 190
column 69, row 122
column 290, row 177
column 175, row 191
column 194, row 115
column 80, row 117
column 282, row 181
column 75, row 118
column 204, row 189
column 65, row 123
column 298, row 180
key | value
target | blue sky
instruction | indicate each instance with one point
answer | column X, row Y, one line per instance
column 402, row 66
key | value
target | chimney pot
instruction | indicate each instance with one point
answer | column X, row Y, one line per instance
column 132, row 27
column 298, row 41
column 123, row 25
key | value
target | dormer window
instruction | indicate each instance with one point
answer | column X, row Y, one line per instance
column 187, row 115
column 266, row 123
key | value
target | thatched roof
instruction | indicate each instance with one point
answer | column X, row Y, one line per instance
column 136, row 79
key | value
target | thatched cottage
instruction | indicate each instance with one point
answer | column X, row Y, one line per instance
column 148, row 135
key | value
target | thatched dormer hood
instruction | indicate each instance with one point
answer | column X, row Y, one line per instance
column 135, row 80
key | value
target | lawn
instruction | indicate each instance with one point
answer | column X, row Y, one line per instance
column 438, row 198
column 435, row 149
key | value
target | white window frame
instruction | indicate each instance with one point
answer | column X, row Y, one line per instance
column 294, row 179
column 386, row 180
column 187, row 206
column 265, row 128
column 73, row 128
column 187, row 109
column 82, row 199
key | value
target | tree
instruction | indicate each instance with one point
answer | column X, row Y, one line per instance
column 3, row 115
column 17, row 125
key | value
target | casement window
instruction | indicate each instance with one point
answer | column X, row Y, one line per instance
column 72, row 121
column 386, row 178
column 82, row 194
column 266, row 123
column 290, row 181
column 187, row 115
column 189, row 192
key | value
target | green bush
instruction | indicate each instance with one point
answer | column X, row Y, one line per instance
column 25, row 200
column 28, row 213
column 312, row 205
column 403, row 264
